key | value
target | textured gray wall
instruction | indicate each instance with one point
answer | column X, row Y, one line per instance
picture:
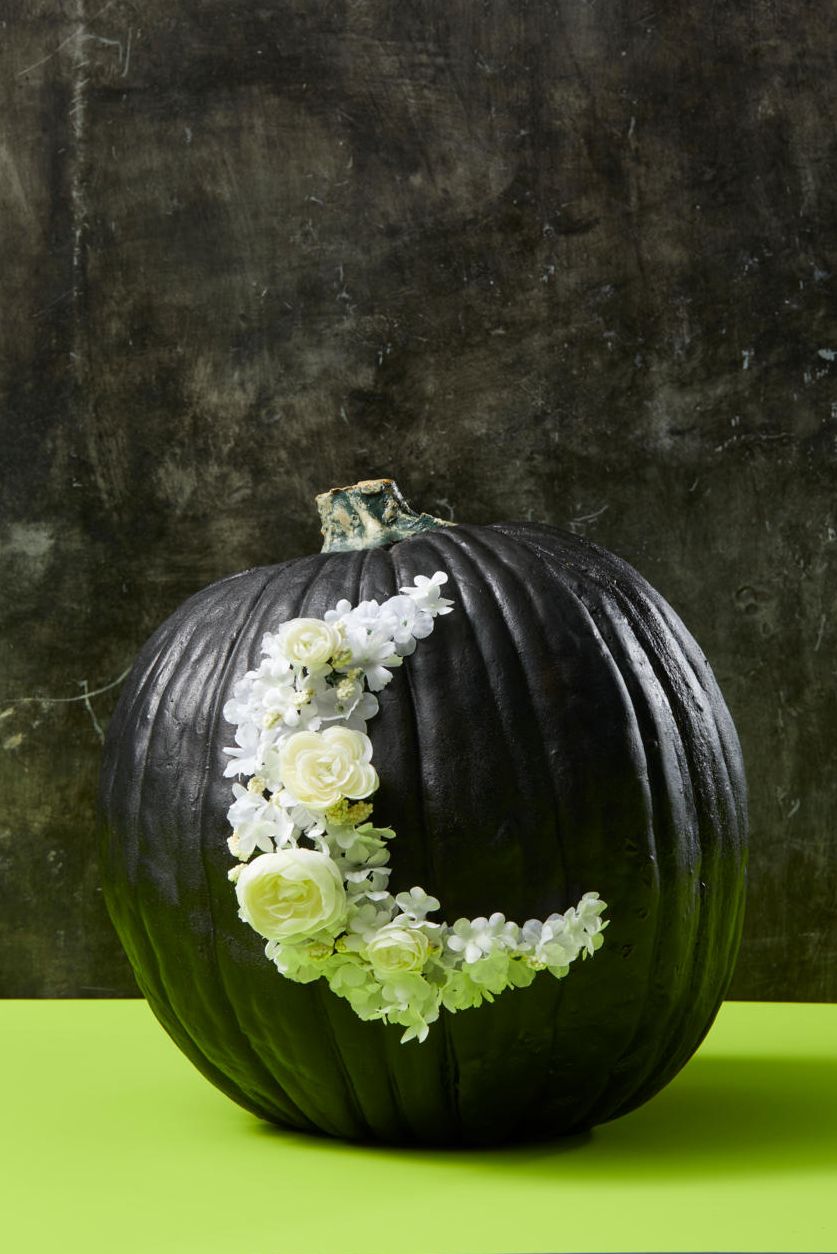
column 564, row 261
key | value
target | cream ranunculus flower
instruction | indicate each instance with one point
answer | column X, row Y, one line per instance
column 318, row 768
column 292, row 894
column 395, row 950
column 309, row 641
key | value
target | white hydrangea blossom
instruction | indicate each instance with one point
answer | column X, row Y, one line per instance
column 322, row 898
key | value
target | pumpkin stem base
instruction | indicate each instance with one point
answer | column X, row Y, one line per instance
column 369, row 514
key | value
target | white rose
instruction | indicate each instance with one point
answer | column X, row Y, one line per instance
column 395, row 950
column 309, row 642
column 318, row 768
column 291, row 894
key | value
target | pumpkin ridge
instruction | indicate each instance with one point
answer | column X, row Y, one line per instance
column 660, row 933
column 634, row 746
column 639, row 1030
column 677, row 1027
column 118, row 729
column 686, row 665
column 407, row 1085
column 472, row 568
column 452, row 1078
column 558, row 987
column 467, row 570
column 432, row 878
column 726, row 828
column 134, row 826
column 721, row 718
column 640, row 594
column 701, row 948
column 277, row 1089
column 278, row 1052
column 285, row 1061
column 391, row 1064
column 658, row 790
column 466, row 560
column 203, row 810
column 129, row 700
column 396, row 1098
column 209, row 1071
column 139, row 939
column 709, row 692
column 520, row 653
column 705, row 966
column 687, row 942
column 164, row 1011
column 320, row 992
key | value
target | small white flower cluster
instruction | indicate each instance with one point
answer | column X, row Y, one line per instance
column 318, row 891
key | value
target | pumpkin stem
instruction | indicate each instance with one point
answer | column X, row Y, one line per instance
column 369, row 514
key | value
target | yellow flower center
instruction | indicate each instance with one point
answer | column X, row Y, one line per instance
column 342, row 814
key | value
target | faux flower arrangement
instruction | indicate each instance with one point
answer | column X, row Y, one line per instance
column 318, row 889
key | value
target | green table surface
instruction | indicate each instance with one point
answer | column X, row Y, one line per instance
column 113, row 1142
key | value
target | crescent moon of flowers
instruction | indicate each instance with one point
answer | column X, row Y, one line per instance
column 317, row 888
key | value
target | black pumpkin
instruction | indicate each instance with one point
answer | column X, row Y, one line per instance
column 560, row 732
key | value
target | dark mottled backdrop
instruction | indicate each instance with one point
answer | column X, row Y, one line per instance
column 563, row 261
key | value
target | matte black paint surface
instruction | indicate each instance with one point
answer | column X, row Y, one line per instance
column 558, row 732
column 557, row 261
